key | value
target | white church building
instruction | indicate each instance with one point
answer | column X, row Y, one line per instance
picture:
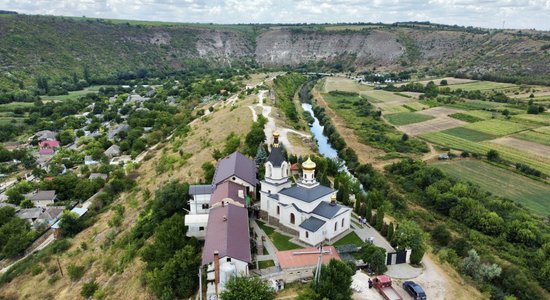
column 306, row 208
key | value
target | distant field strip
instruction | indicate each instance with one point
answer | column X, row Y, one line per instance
column 541, row 118
column 537, row 149
column 497, row 127
column 534, row 136
column 530, row 193
column 481, row 85
column 469, row 134
column 407, row 118
column 344, row 85
column 437, row 124
column 505, row 152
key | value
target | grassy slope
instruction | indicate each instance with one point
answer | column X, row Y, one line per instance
column 530, row 193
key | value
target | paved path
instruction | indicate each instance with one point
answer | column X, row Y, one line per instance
column 43, row 245
column 367, row 231
column 268, row 245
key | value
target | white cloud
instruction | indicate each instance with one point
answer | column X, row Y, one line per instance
column 485, row 13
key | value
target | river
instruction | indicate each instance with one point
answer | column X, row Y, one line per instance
column 325, row 148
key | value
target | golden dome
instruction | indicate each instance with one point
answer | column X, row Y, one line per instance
column 308, row 164
column 276, row 133
column 333, row 197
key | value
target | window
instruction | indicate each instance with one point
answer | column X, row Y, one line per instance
column 278, row 209
column 234, row 178
column 307, row 235
column 335, row 226
column 342, row 222
column 205, row 206
column 229, row 259
column 201, row 228
column 292, row 218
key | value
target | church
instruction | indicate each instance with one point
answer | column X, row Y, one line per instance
column 306, row 209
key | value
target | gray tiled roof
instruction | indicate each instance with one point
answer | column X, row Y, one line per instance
column 273, row 196
column 203, row 189
column 312, row 224
column 276, row 157
column 43, row 195
column 325, row 209
column 307, row 194
column 237, row 165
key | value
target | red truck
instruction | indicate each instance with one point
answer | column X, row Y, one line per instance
column 383, row 284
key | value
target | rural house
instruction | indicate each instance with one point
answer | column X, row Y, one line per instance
column 300, row 264
column 42, row 198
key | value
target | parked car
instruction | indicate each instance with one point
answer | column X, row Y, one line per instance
column 414, row 290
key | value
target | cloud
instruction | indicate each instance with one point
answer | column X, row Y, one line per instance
column 484, row 13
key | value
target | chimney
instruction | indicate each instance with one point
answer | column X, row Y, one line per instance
column 216, row 270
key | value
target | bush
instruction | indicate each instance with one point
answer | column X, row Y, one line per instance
column 88, row 289
column 75, row 272
column 441, row 235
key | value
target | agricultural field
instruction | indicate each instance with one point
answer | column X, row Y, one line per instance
column 534, row 136
column 523, row 145
column 482, row 85
column 528, row 192
column 507, row 153
column 407, row 118
column 469, row 134
column 450, row 80
column 344, row 85
column 497, row 127
column 434, row 125
column 472, row 116
column 74, row 94
column 543, row 119
column 392, row 103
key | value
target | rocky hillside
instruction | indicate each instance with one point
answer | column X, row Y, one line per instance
column 56, row 47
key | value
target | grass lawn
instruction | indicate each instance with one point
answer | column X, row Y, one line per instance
column 350, row 238
column 534, row 136
column 407, row 118
column 528, row 192
column 281, row 241
column 266, row 264
column 481, row 85
column 74, row 94
column 497, row 127
column 469, row 134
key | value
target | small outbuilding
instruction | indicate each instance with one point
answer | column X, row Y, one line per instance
column 301, row 263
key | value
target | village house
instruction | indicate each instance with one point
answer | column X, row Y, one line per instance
column 42, row 198
column 41, row 216
column 45, row 135
column 113, row 131
column 89, row 161
column 306, row 209
column 98, row 175
column 112, row 151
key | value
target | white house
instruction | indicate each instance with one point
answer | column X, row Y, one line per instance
column 307, row 208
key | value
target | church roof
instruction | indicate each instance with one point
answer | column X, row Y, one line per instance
column 276, row 157
column 229, row 189
column 325, row 209
column 237, row 165
column 312, row 224
column 203, row 189
column 307, row 194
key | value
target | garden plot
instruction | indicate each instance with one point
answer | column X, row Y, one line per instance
column 450, row 80
column 407, row 118
column 497, row 127
column 344, row 85
column 540, row 118
column 527, row 146
column 435, row 125
column 391, row 103
column 482, row 85
column 534, row 136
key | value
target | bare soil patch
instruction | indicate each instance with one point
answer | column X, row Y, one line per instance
column 440, row 111
column 529, row 147
column 437, row 124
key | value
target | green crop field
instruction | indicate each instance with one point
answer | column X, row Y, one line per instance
column 407, row 118
column 543, row 119
column 504, row 183
column 477, row 105
column 383, row 96
column 469, row 134
column 465, row 117
column 481, row 85
column 74, row 94
column 497, row 127
column 534, row 136
column 509, row 154
column 415, row 105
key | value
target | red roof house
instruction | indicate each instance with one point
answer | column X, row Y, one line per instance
column 49, row 144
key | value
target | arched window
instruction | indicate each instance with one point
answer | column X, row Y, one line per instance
column 335, row 226
column 307, row 235
column 292, row 218
column 278, row 209
column 342, row 222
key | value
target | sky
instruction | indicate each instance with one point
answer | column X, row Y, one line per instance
column 519, row 14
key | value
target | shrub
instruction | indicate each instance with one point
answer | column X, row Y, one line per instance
column 75, row 272
column 89, row 288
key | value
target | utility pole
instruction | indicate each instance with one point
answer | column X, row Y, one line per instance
column 200, row 283
column 319, row 264
column 59, row 265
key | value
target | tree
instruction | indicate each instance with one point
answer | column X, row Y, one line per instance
column 441, row 235
column 232, row 143
column 473, row 266
column 379, row 219
column 533, row 109
column 26, row 204
column 493, row 155
column 178, row 278
column 169, row 238
column 261, row 155
column 506, row 113
column 404, row 137
column 335, row 281
column 409, row 235
column 209, row 170
column 88, row 289
column 244, row 287
column 391, row 230
column 443, row 82
column 169, row 199
column 375, row 257
column 70, row 223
